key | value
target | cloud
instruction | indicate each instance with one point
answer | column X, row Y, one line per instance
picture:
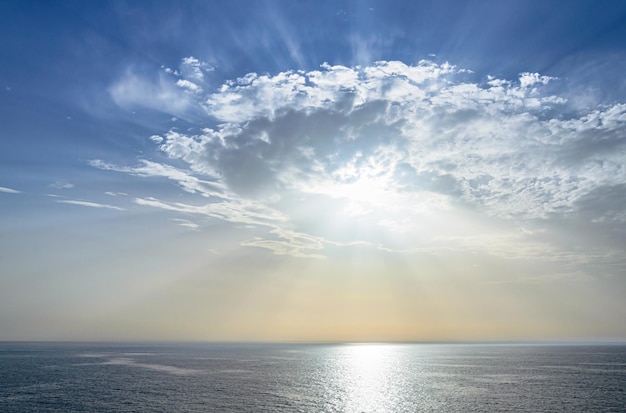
column 285, row 240
column 186, row 180
column 383, row 150
column 90, row 204
column 531, row 79
column 134, row 90
column 193, row 69
column 185, row 84
column 61, row 185
column 9, row 190
column 170, row 91
column 491, row 143
column 186, row 223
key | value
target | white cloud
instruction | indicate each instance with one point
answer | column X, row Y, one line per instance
column 133, row 90
column 186, row 223
column 256, row 215
column 175, row 92
column 530, row 79
column 187, row 182
column 186, row 84
column 90, row 204
column 193, row 69
column 61, row 185
column 236, row 211
column 492, row 138
column 387, row 147
column 9, row 190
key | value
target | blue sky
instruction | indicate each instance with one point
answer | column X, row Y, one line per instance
column 331, row 170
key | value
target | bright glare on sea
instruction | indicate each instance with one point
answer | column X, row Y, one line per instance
column 350, row 378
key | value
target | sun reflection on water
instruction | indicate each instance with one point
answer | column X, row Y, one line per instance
column 367, row 376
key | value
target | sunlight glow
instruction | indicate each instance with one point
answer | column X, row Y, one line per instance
column 368, row 372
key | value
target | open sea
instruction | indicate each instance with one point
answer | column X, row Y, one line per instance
column 351, row 378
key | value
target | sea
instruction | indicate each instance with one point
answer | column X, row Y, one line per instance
column 351, row 378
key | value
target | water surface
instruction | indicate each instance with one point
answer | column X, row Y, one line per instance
column 351, row 378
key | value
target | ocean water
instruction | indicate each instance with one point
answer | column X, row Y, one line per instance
column 351, row 378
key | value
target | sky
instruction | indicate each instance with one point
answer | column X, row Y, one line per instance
column 313, row 171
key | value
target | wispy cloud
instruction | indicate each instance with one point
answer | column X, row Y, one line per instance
column 61, row 185
column 186, row 223
column 89, row 204
column 172, row 91
column 9, row 190
column 186, row 180
column 280, row 237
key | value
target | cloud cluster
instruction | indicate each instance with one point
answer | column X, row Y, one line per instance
column 385, row 147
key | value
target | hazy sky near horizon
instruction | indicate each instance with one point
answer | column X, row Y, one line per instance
column 313, row 171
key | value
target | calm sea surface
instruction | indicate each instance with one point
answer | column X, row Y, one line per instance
column 44, row 377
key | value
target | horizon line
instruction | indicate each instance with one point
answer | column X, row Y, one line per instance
column 621, row 341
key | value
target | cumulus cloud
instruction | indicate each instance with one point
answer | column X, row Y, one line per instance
column 530, row 79
column 386, row 147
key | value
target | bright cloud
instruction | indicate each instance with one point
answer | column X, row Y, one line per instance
column 388, row 149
